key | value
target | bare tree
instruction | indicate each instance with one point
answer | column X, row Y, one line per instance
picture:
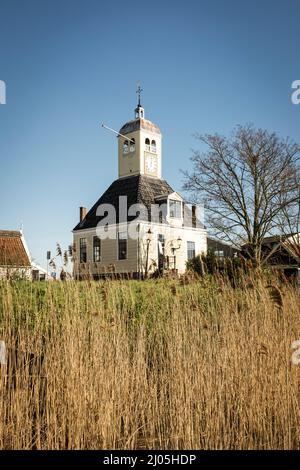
column 289, row 224
column 245, row 182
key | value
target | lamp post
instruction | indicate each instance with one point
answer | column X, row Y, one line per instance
column 174, row 248
column 148, row 241
column 48, row 259
column 138, row 228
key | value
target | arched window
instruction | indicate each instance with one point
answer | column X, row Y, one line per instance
column 147, row 144
column 125, row 147
column 132, row 145
column 153, row 146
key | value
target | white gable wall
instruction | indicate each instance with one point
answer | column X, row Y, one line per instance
column 137, row 248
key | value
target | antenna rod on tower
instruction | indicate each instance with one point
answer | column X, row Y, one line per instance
column 115, row 132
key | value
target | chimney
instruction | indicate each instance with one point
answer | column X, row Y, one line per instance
column 82, row 213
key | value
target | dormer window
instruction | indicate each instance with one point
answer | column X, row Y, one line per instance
column 132, row 145
column 153, row 146
column 175, row 209
column 147, row 144
column 125, row 147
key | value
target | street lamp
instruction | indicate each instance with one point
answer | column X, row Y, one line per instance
column 138, row 228
column 148, row 241
column 174, row 248
column 48, row 259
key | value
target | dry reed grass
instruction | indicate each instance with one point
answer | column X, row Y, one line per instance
column 154, row 364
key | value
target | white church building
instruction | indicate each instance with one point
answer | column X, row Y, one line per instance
column 140, row 226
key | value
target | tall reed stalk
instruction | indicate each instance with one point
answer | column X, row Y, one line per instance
column 154, row 364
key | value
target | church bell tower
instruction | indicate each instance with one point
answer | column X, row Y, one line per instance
column 139, row 145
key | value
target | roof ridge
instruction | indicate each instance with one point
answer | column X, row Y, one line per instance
column 10, row 233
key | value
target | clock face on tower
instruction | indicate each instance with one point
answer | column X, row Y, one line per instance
column 150, row 164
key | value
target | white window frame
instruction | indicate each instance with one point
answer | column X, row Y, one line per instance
column 132, row 145
column 189, row 249
column 125, row 147
column 98, row 246
column 83, row 245
column 176, row 202
column 124, row 236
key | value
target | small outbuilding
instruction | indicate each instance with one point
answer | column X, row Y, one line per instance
column 15, row 259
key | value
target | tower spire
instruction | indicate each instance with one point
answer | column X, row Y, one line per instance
column 139, row 110
column 139, row 91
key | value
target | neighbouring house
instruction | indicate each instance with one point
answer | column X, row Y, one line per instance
column 283, row 252
column 38, row 273
column 15, row 259
column 140, row 225
column 221, row 249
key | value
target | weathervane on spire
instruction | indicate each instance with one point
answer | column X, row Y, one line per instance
column 139, row 91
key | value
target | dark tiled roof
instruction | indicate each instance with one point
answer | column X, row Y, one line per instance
column 138, row 124
column 139, row 189
column 219, row 245
column 275, row 238
column 12, row 250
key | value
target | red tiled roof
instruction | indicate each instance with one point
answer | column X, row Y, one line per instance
column 12, row 250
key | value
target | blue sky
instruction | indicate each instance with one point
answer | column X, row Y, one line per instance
column 205, row 66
